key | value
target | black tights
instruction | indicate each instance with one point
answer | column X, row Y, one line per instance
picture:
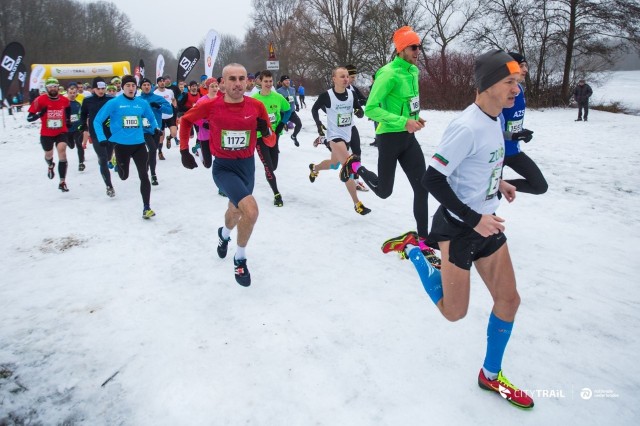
column 124, row 153
column 104, row 151
column 152, row 141
column 402, row 148
column 269, row 158
column 533, row 182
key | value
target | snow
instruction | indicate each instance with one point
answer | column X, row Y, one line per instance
column 621, row 86
column 107, row 319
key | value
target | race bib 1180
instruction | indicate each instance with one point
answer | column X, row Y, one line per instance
column 130, row 122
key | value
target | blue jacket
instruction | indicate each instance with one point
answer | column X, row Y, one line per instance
column 74, row 116
column 126, row 116
column 513, row 122
column 165, row 108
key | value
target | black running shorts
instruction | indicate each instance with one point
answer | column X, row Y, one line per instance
column 48, row 142
column 465, row 244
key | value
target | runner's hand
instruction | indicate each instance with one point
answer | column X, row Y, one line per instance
column 507, row 190
column 321, row 129
column 523, row 135
column 262, row 126
column 187, row 159
column 489, row 225
column 413, row 126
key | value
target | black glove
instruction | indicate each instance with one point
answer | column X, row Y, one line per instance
column 103, row 142
column 523, row 135
column 187, row 159
column 262, row 126
column 154, row 105
column 359, row 113
column 205, row 125
column 43, row 111
column 279, row 127
column 321, row 129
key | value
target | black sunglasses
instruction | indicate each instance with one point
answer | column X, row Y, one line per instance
column 415, row 47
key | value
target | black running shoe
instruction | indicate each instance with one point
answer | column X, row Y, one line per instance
column 168, row 144
column 243, row 277
column 50, row 173
column 111, row 192
column 222, row 244
column 346, row 170
column 277, row 200
column 154, row 180
column 81, row 167
column 295, row 140
column 63, row 187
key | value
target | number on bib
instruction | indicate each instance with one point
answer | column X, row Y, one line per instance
column 414, row 104
column 273, row 117
column 494, row 182
column 235, row 139
column 74, row 117
column 145, row 123
column 344, row 120
column 54, row 123
column 514, row 126
column 130, row 122
column 290, row 99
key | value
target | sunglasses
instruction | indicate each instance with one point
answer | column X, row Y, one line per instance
column 415, row 47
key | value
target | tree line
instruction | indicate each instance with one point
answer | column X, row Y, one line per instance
column 563, row 40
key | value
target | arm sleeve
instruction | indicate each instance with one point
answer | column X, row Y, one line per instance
column 84, row 114
column 285, row 109
column 436, row 183
column 322, row 103
column 357, row 108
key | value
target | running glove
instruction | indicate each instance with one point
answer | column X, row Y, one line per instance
column 187, row 159
column 523, row 135
column 154, row 105
column 321, row 129
column 262, row 126
column 279, row 128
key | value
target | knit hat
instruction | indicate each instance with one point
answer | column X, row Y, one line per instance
column 203, row 77
column 351, row 69
column 493, row 66
column 111, row 87
column 115, row 80
column 145, row 80
column 159, row 79
column 210, row 80
column 98, row 83
column 518, row 57
column 129, row 79
column 404, row 37
column 283, row 78
column 51, row 81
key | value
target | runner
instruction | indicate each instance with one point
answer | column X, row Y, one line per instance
column 394, row 102
column 533, row 181
column 289, row 94
column 53, row 112
column 464, row 176
column 279, row 111
column 74, row 136
column 88, row 112
column 355, row 135
column 340, row 105
column 152, row 136
column 168, row 119
column 234, row 121
column 202, row 142
column 301, row 96
column 117, row 83
column 126, row 114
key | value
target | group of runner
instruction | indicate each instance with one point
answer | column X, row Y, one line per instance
column 464, row 174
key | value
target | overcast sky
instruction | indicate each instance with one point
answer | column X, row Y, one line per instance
column 177, row 25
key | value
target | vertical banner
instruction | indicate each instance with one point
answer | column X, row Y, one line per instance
column 187, row 61
column 22, row 75
column 11, row 60
column 159, row 66
column 141, row 67
column 211, row 47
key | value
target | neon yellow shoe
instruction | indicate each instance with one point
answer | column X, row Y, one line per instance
column 148, row 214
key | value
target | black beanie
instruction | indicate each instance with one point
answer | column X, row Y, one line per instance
column 145, row 80
column 283, row 78
column 351, row 69
column 518, row 57
column 96, row 80
column 129, row 79
column 493, row 66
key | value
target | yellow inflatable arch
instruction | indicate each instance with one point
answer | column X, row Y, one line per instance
column 71, row 71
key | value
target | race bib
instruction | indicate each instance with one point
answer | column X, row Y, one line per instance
column 494, row 182
column 145, row 123
column 74, row 117
column 414, row 104
column 273, row 117
column 290, row 99
column 235, row 139
column 514, row 126
column 130, row 122
column 54, row 123
column 344, row 120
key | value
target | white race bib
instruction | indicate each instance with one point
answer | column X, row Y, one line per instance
column 494, row 182
column 54, row 123
column 130, row 122
column 74, row 117
column 290, row 99
column 514, row 126
column 273, row 117
column 344, row 120
column 145, row 123
column 235, row 139
column 414, row 104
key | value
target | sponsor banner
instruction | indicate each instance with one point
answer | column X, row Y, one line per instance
column 71, row 71
column 11, row 59
column 211, row 48
column 22, row 75
column 160, row 66
column 187, row 61
column 37, row 77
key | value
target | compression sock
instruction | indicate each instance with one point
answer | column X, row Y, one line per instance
column 430, row 276
column 498, row 334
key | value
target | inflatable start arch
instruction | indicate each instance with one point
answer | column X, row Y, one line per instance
column 71, row 71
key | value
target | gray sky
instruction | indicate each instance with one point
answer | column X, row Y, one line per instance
column 183, row 23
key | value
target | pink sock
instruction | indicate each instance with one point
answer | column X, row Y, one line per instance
column 355, row 166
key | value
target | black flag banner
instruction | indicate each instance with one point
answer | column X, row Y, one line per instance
column 139, row 72
column 22, row 75
column 188, row 60
column 11, row 60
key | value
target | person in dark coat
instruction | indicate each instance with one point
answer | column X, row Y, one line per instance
column 581, row 94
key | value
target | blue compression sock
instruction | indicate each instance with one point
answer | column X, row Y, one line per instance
column 335, row 166
column 498, row 334
column 430, row 276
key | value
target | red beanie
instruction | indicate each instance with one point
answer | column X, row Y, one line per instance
column 404, row 37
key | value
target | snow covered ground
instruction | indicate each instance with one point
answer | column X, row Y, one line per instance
column 107, row 319
column 621, row 86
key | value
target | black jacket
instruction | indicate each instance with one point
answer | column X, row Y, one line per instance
column 582, row 93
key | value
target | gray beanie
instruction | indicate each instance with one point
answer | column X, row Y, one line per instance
column 493, row 66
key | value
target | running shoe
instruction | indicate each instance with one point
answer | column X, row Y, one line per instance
column 168, row 142
column 277, row 200
column 148, row 213
column 160, row 155
column 346, row 171
column 312, row 174
column 154, row 180
column 360, row 186
column 430, row 254
column 63, row 187
column 81, row 167
column 361, row 209
column 243, row 277
column 506, row 390
column 50, row 173
column 399, row 243
column 319, row 141
column 111, row 192
column 195, row 149
column 222, row 244
column 295, row 140
column 114, row 163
